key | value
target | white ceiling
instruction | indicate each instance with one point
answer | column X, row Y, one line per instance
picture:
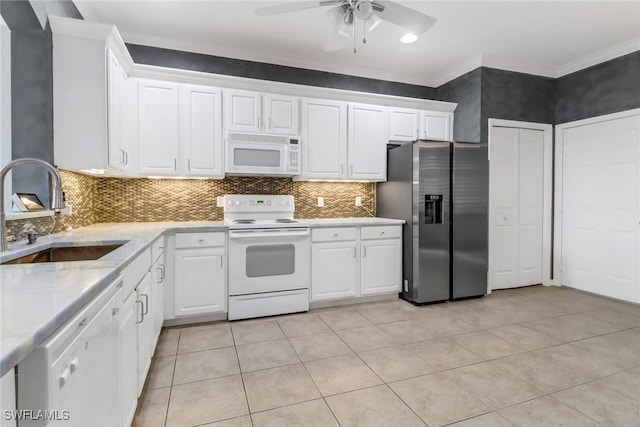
column 548, row 38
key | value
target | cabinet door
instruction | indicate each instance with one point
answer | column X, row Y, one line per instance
column 403, row 124
column 144, row 313
column 115, row 105
column 159, row 137
column 281, row 114
column 201, row 131
column 242, row 111
column 324, row 139
column 368, row 132
column 434, row 125
column 334, row 270
column 381, row 266
column 157, row 281
column 128, row 371
column 200, row 281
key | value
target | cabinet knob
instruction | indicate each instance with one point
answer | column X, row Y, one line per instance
column 335, row 235
column 200, row 240
column 382, row 233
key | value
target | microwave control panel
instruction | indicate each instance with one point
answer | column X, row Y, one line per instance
column 294, row 155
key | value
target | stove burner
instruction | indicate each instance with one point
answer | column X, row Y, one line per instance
column 244, row 221
column 285, row 220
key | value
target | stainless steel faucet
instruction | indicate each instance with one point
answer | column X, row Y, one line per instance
column 57, row 201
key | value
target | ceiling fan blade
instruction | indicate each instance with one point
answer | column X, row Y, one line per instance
column 409, row 19
column 293, row 7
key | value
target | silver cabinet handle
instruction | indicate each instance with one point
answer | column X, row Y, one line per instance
column 126, row 158
column 354, row 251
column 189, row 165
column 146, row 298
column 382, row 233
column 115, row 311
column 364, row 251
column 122, row 156
column 175, row 164
column 335, row 235
column 200, row 240
column 221, row 262
column 141, row 311
column 162, row 273
column 258, row 121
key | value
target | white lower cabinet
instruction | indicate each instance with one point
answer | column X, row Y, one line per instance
column 200, row 274
column 352, row 262
column 145, row 320
column 128, row 360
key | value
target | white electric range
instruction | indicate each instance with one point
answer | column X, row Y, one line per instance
column 269, row 256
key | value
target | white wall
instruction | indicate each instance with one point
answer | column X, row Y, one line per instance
column 5, row 104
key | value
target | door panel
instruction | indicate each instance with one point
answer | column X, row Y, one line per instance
column 324, row 133
column 333, row 270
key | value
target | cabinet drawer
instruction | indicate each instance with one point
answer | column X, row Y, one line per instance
column 135, row 271
column 333, row 234
column 381, row 232
column 156, row 248
column 199, row 240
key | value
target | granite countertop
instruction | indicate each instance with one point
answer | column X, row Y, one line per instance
column 36, row 299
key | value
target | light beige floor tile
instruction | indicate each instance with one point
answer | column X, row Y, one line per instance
column 341, row 374
column 492, row 419
column 494, row 386
column 251, row 331
column 444, row 353
column 448, row 325
column 546, row 412
column 314, row 413
column 207, row 337
column 344, row 319
column 579, row 359
column 408, row 331
column 302, row 324
column 627, row 383
column 264, row 355
column 206, row 365
column 319, row 346
column 486, row 345
column 152, row 408
column 276, row 387
column 244, row 421
column 573, row 327
column 524, row 337
column 438, row 400
column 161, row 373
column 207, row 401
column 614, row 317
column 603, row 404
column 375, row 406
column 620, row 349
column 396, row 363
column 387, row 312
column 542, row 373
column 167, row 343
column 366, row 338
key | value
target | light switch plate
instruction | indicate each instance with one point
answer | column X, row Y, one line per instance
column 358, row 201
column 320, row 202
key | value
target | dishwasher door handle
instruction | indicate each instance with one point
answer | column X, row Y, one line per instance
column 141, row 311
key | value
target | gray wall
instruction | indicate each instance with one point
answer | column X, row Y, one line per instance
column 605, row 88
column 466, row 92
column 32, row 90
column 279, row 73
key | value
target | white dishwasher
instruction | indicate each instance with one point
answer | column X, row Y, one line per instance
column 72, row 378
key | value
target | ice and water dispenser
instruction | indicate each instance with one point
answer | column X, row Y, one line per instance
column 433, row 208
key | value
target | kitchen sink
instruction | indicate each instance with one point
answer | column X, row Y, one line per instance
column 66, row 253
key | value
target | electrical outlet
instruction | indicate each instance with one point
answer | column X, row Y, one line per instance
column 358, row 201
column 220, row 201
column 68, row 209
column 320, row 202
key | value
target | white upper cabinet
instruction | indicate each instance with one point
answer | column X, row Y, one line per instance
column 324, row 139
column 255, row 112
column 201, row 131
column 368, row 133
column 158, row 121
column 403, row 124
column 435, row 125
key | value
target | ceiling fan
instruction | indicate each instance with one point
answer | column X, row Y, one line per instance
column 344, row 14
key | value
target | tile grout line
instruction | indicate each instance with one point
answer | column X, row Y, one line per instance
column 244, row 387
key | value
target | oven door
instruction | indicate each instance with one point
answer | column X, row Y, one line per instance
column 257, row 158
column 268, row 260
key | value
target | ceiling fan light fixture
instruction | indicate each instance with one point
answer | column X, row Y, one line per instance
column 408, row 38
column 372, row 22
column 363, row 9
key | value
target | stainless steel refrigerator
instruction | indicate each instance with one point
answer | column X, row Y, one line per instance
column 441, row 190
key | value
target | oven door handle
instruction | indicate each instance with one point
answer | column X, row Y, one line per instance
column 267, row 234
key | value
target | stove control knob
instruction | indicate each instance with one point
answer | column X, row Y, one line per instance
column 230, row 202
column 238, row 202
column 288, row 202
column 282, row 202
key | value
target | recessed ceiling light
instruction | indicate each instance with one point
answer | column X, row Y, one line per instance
column 408, row 38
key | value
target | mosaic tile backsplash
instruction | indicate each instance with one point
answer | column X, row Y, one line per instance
column 99, row 199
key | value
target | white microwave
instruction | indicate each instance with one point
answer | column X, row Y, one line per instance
column 261, row 154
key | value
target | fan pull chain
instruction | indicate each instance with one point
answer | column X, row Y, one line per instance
column 364, row 31
column 354, row 38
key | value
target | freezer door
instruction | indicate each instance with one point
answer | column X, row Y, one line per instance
column 431, row 268
column 470, row 219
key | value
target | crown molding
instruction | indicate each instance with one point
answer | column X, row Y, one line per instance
column 459, row 70
column 505, row 64
column 608, row 54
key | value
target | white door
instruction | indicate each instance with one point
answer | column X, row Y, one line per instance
column 324, row 139
column 368, row 132
column 515, row 207
column 600, row 213
column 403, row 124
column 199, row 282
column 334, row 270
column 281, row 114
column 159, row 134
column 243, row 111
column 201, row 131
column 434, row 125
column 381, row 266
